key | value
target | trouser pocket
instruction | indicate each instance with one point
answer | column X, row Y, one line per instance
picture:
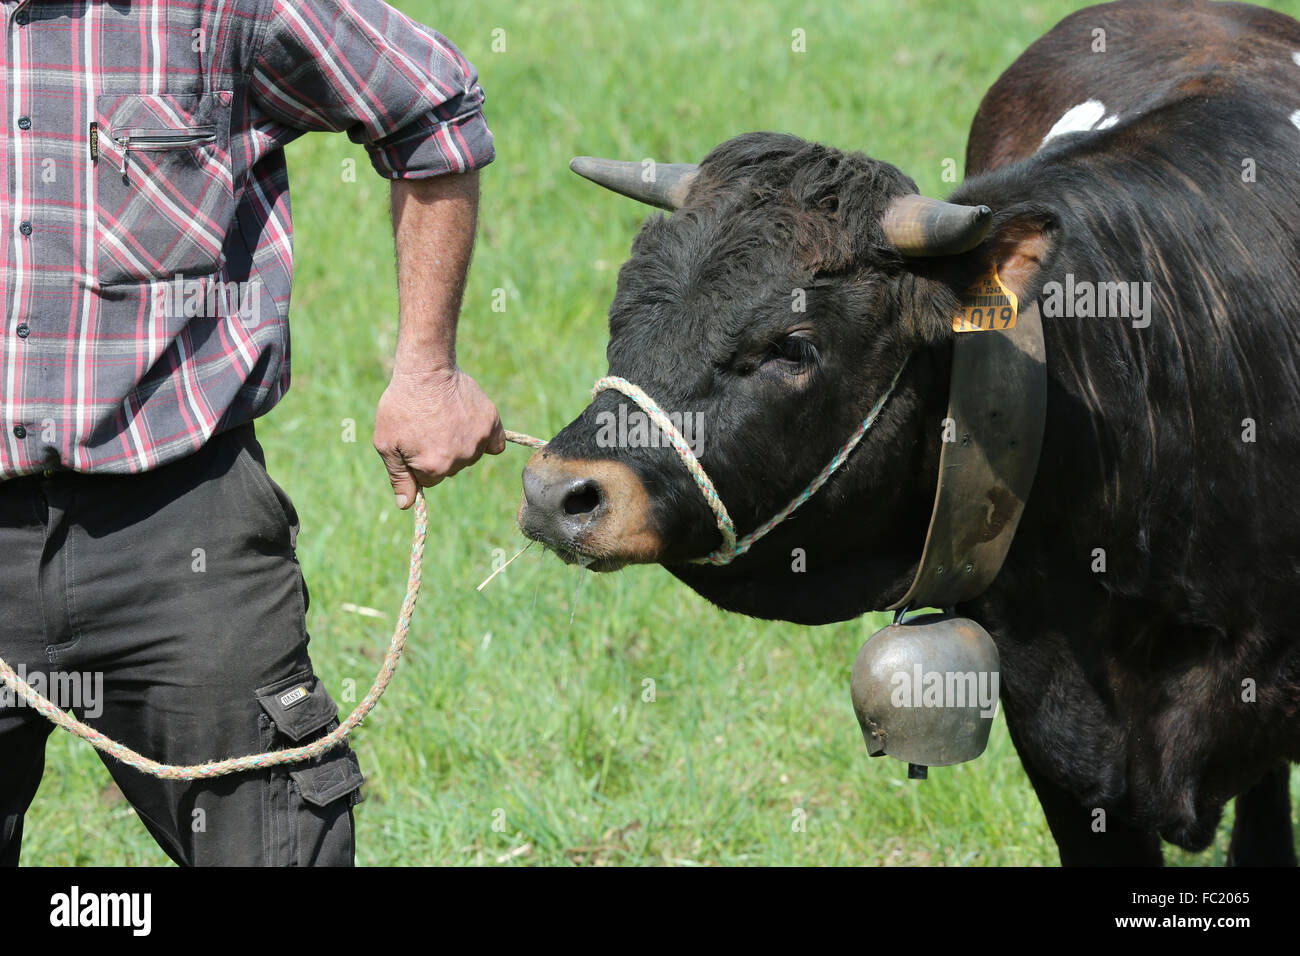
column 308, row 806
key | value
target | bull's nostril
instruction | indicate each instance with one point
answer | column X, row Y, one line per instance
column 583, row 498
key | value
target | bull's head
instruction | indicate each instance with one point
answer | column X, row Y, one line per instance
column 766, row 316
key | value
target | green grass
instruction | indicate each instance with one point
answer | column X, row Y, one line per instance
column 527, row 698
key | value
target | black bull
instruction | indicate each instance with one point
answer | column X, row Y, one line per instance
column 1145, row 615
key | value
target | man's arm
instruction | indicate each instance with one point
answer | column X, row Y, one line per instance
column 433, row 419
column 419, row 113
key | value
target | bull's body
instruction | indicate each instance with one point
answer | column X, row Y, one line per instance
column 1171, row 681
column 1144, row 614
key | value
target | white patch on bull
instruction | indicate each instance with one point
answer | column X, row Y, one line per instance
column 1295, row 119
column 1295, row 58
column 1079, row 119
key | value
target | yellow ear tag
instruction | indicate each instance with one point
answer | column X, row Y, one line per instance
column 987, row 306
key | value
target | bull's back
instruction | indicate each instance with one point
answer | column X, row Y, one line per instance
column 1117, row 61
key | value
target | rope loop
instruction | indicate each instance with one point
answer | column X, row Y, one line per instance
column 732, row 548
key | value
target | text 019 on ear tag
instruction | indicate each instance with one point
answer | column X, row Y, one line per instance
column 987, row 306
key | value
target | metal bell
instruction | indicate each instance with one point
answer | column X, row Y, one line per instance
column 925, row 690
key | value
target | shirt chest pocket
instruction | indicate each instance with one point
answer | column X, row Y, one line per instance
column 164, row 188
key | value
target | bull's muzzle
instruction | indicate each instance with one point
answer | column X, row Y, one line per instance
column 591, row 512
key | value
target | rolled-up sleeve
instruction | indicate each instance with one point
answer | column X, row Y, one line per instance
column 364, row 68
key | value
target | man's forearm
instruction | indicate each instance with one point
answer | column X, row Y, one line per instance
column 433, row 225
column 433, row 419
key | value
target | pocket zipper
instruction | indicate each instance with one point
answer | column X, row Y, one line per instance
column 160, row 141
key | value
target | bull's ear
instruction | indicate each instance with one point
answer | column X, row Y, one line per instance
column 1018, row 244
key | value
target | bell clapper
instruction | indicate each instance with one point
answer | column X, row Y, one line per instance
column 916, row 771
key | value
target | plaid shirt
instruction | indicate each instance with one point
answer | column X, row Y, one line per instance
column 144, row 215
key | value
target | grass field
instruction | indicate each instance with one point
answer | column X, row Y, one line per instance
column 524, row 706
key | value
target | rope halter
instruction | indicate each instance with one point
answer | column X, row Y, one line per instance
column 733, row 547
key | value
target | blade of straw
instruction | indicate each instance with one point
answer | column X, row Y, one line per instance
column 488, row 579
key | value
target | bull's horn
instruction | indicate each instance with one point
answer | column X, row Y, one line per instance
column 670, row 182
column 917, row 226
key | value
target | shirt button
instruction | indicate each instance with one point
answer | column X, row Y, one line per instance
column 20, row 432
column 24, row 122
column 25, row 228
column 23, row 331
column 21, row 18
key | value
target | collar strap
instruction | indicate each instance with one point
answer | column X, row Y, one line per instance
column 732, row 547
column 997, row 401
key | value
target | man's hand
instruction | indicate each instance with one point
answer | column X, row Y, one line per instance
column 433, row 419
column 431, row 425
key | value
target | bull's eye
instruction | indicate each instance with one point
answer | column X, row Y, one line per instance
column 795, row 350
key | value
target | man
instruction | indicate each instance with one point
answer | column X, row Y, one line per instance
column 146, row 245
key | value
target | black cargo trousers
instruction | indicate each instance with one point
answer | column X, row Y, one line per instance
column 171, row 603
